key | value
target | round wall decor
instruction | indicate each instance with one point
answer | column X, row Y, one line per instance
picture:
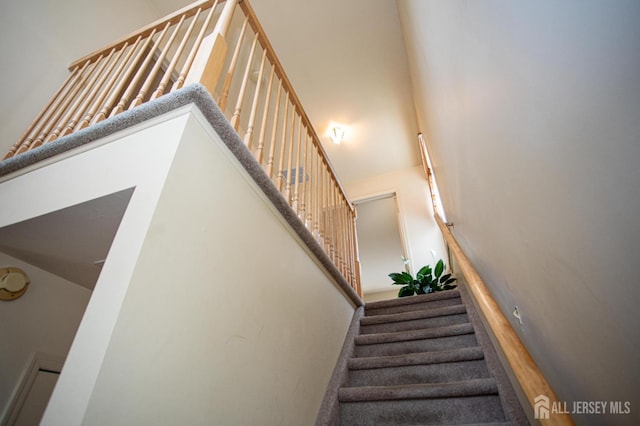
column 13, row 283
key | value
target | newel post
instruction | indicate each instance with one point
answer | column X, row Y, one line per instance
column 208, row 62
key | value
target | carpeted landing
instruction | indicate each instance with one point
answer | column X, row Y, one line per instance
column 417, row 361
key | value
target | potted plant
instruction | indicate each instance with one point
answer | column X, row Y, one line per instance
column 427, row 280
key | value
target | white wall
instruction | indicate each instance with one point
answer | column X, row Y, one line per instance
column 532, row 113
column 40, row 38
column 100, row 168
column 44, row 319
column 227, row 319
column 416, row 212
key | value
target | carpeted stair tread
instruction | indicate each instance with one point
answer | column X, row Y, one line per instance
column 413, row 315
column 403, row 336
column 417, row 324
column 429, row 304
column 420, row 358
column 475, row 387
column 450, row 411
column 443, row 372
column 421, row 298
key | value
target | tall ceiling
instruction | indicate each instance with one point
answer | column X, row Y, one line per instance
column 348, row 64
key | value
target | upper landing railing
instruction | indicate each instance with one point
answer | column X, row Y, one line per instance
column 221, row 45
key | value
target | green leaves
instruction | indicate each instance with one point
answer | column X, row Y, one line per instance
column 439, row 268
column 427, row 280
column 401, row 278
column 406, row 291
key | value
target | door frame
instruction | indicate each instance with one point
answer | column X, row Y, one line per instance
column 404, row 242
column 37, row 361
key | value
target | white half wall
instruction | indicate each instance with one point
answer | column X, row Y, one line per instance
column 137, row 157
column 532, row 113
column 227, row 319
column 423, row 238
column 44, row 319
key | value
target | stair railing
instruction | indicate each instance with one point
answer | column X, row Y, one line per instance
column 250, row 87
column 527, row 373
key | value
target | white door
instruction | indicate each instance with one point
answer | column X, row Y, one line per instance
column 379, row 242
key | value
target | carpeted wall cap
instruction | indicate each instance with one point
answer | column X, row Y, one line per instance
column 198, row 95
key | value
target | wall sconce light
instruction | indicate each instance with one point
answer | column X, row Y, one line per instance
column 13, row 283
column 336, row 133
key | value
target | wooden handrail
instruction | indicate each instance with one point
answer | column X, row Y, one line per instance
column 266, row 44
column 524, row 367
column 143, row 32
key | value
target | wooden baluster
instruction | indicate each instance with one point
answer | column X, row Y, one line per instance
column 287, row 190
column 154, row 71
column 280, row 178
column 330, row 218
column 303, row 184
column 309, row 201
column 274, row 132
column 43, row 131
column 325, row 212
column 316, row 196
column 337, row 229
column 91, row 114
column 83, row 102
column 45, row 113
column 130, row 68
column 235, row 118
column 70, row 110
column 323, row 204
column 194, row 49
column 254, row 105
column 296, row 174
column 99, row 92
column 176, row 57
column 320, row 212
column 265, row 115
column 209, row 59
column 141, row 70
column 222, row 101
column 334, row 222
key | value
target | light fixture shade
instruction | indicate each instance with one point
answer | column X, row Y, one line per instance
column 337, row 134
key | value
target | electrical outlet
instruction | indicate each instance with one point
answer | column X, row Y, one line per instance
column 516, row 313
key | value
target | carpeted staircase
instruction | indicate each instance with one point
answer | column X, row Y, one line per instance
column 423, row 360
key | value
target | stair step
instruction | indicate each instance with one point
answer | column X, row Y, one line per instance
column 475, row 387
column 426, row 333
column 413, row 303
column 473, row 401
column 438, row 317
column 423, row 373
column 414, row 315
column 475, row 410
column 437, row 322
column 424, row 345
column 421, row 358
